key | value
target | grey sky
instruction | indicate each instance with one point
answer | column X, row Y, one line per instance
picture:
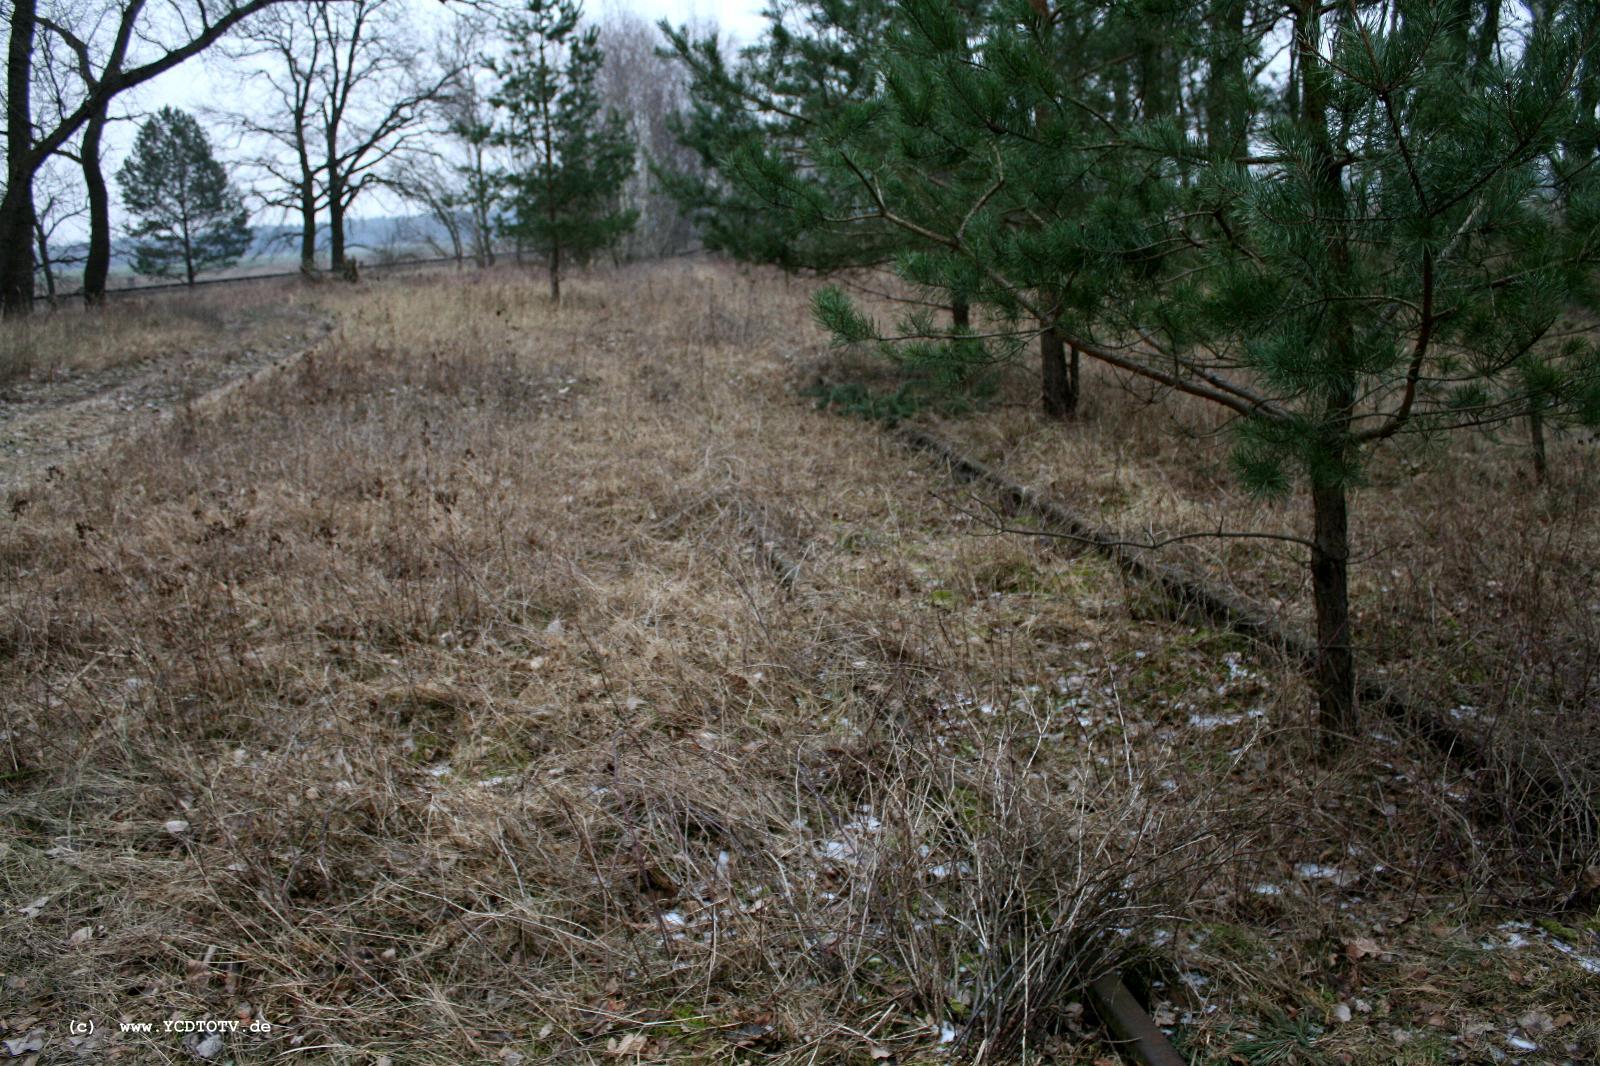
column 199, row 84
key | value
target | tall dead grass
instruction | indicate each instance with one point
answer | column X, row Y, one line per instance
column 135, row 330
column 439, row 700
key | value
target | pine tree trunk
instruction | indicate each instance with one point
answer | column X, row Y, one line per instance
column 1338, row 715
column 960, row 313
column 97, row 263
column 1058, row 383
column 1541, row 467
column 555, row 274
column 1488, row 36
column 1227, row 100
column 16, row 209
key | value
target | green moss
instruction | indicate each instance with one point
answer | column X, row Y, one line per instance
column 1565, row 932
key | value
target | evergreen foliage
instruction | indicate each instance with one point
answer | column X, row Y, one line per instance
column 571, row 155
column 1378, row 240
column 770, row 127
column 190, row 218
column 760, row 197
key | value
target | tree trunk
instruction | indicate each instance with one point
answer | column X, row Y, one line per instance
column 1541, row 468
column 16, row 209
column 335, row 227
column 1058, row 383
column 1227, row 100
column 1338, row 715
column 1488, row 36
column 46, row 267
column 960, row 313
column 555, row 275
column 97, row 264
column 308, row 227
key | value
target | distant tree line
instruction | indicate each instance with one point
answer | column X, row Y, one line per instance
column 504, row 125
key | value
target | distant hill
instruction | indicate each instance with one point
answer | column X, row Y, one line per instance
column 279, row 245
column 399, row 234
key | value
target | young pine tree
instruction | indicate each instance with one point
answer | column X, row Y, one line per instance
column 1378, row 244
column 190, row 218
column 572, row 156
column 758, row 196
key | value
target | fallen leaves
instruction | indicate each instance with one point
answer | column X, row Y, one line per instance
column 33, row 1040
column 34, row 909
column 1361, row 948
column 629, row 1044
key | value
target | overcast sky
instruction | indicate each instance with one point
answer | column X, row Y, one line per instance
column 192, row 84
column 197, row 85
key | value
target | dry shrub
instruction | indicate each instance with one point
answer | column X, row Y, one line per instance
column 1006, row 884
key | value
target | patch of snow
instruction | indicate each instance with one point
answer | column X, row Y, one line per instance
column 1214, row 721
column 1587, row 962
column 1316, row 871
column 1236, row 670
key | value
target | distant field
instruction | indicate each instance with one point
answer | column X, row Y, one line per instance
column 502, row 683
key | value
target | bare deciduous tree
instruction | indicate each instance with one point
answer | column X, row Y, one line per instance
column 350, row 89
column 454, row 179
column 142, row 41
column 648, row 88
column 288, row 54
column 58, row 203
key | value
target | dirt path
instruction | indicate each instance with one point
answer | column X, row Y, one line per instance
column 49, row 421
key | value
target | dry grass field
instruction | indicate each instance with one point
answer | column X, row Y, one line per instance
column 508, row 684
